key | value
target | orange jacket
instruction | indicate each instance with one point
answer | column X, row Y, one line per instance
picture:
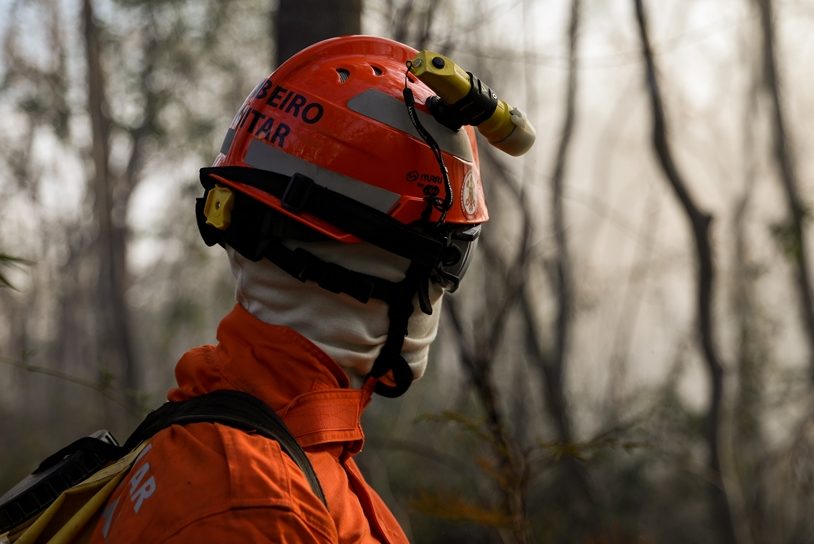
column 206, row 482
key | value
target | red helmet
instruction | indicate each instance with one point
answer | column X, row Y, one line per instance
column 335, row 112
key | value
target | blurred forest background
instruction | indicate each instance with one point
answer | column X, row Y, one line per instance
column 632, row 356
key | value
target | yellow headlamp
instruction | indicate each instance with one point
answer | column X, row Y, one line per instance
column 463, row 99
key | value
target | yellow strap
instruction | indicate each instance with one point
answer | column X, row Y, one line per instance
column 68, row 519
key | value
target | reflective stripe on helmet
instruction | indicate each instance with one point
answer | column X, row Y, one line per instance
column 390, row 111
column 227, row 141
column 267, row 157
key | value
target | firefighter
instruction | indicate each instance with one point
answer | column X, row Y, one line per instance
column 347, row 210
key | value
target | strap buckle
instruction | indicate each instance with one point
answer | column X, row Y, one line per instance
column 297, row 192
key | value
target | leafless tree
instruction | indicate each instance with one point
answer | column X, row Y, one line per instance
column 699, row 223
column 300, row 23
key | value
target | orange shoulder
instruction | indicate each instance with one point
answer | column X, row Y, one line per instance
column 191, row 475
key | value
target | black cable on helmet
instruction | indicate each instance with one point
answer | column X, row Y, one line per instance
column 444, row 205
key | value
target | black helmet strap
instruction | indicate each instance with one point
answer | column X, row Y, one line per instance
column 400, row 308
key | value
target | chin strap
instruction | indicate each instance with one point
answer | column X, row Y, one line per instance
column 400, row 308
column 399, row 296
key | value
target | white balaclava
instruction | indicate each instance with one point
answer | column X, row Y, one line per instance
column 350, row 332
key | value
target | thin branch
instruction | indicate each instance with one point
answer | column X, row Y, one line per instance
column 428, row 17
column 479, row 357
column 792, row 233
column 428, row 453
column 750, row 353
column 562, row 262
column 401, row 20
column 100, row 386
column 512, row 474
column 630, row 308
column 517, row 270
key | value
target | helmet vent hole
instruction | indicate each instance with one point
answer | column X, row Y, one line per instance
column 344, row 74
column 376, row 70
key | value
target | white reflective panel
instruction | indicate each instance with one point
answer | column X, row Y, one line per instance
column 269, row 157
column 392, row 112
column 227, row 141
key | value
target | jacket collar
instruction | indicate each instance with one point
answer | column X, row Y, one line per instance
column 283, row 369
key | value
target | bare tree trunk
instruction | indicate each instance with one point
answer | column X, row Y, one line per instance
column 699, row 222
column 115, row 351
column 792, row 234
column 300, row 23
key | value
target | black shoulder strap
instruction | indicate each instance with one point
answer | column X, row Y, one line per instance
column 235, row 409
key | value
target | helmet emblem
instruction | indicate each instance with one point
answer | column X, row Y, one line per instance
column 469, row 195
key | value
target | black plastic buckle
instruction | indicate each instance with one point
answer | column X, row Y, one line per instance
column 297, row 192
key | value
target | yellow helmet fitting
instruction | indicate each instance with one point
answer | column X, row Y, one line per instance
column 463, row 99
column 218, row 207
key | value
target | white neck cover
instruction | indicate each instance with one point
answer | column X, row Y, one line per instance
column 350, row 332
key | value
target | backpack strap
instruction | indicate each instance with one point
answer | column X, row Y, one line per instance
column 235, row 409
column 87, row 456
column 60, row 471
